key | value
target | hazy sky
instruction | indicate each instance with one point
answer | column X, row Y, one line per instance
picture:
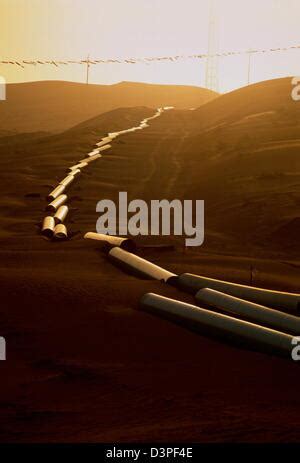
column 72, row 29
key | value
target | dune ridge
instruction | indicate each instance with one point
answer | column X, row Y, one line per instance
column 85, row 364
column 55, row 106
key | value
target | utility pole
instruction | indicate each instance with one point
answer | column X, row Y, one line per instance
column 211, row 78
column 249, row 65
column 88, row 63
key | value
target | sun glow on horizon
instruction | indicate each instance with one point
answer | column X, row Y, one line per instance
column 74, row 29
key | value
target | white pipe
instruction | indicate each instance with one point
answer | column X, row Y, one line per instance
column 91, row 153
column 93, row 158
column 208, row 322
column 75, row 172
column 104, row 148
column 275, row 299
column 59, row 201
column 104, row 141
column 60, row 232
column 138, row 265
column 56, row 192
column 124, row 243
column 48, row 226
column 61, row 214
column 80, row 165
column 67, row 180
column 252, row 312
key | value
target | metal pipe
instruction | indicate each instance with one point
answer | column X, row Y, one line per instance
column 252, row 312
column 139, row 266
column 59, row 201
column 275, row 299
column 80, row 165
column 60, row 232
column 104, row 148
column 48, row 226
column 61, row 214
column 56, row 192
column 124, row 243
column 95, row 151
column 104, row 141
column 218, row 325
column 92, row 158
column 67, row 180
column 75, row 172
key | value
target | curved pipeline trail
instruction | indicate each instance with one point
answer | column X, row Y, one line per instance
column 53, row 225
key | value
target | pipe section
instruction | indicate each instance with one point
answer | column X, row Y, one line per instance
column 61, row 214
column 252, row 312
column 59, row 201
column 276, row 299
column 48, row 226
column 219, row 325
column 60, row 232
column 139, row 266
column 56, row 192
column 67, row 180
column 124, row 243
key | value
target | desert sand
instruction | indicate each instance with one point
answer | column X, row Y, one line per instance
column 53, row 106
column 84, row 363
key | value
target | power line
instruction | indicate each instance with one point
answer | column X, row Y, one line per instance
column 145, row 60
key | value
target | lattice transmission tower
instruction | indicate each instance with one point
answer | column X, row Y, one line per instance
column 211, row 76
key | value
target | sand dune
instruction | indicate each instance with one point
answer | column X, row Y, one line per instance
column 52, row 106
column 249, row 172
column 84, row 364
column 264, row 99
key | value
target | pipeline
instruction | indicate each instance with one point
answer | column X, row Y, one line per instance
column 276, row 299
column 104, row 141
column 67, row 180
column 253, row 312
column 58, row 197
column 75, row 172
column 56, row 192
column 48, row 226
column 192, row 283
column 92, row 158
column 138, row 266
column 78, row 166
column 59, row 201
column 112, row 241
column 218, row 325
column 61, row 214
column 60, row 232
